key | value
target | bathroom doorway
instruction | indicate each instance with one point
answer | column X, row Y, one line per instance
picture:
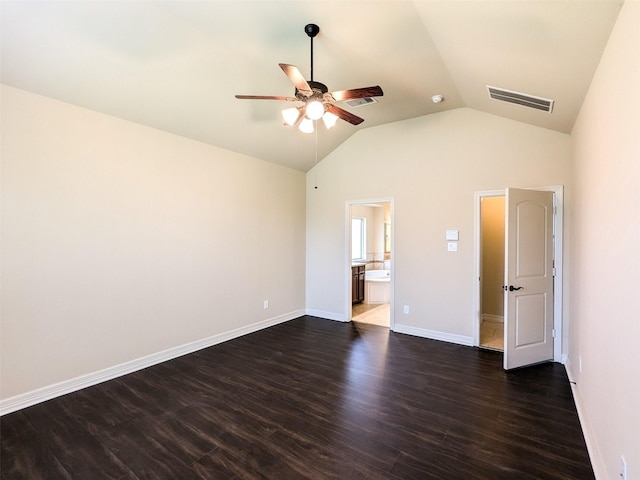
column 370, row 260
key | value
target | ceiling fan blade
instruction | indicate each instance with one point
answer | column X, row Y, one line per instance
column 296, row 78
column 267, row 97
column 365, row 92
column 343, row 114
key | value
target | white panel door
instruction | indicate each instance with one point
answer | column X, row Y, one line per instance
column 528, row 309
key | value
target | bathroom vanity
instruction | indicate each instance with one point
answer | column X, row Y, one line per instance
column 357, row 283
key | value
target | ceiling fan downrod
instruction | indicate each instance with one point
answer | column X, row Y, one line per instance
column 312, row 30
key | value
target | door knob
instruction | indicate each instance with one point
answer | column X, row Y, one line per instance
column 512, row 288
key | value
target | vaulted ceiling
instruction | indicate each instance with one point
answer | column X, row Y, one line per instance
column 176, row 65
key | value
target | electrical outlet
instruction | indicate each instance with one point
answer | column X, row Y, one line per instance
column 266, row 304
column 405, row 310
column 623, row 468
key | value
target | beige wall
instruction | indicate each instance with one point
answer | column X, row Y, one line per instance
column 431, row 166
column 492, row 227
column 605, row 299
column 120, row 241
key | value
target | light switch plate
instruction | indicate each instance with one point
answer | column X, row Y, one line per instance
column 452, row 235
column 452, row 246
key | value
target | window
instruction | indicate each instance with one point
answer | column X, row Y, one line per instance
column 358, row 238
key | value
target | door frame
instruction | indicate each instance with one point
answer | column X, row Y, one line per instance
column 347, row 254
column 558, row 224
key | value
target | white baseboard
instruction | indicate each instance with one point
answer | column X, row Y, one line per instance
column 338, row 317
column 28, row 399
column 488, row 317
column 434, row 335
column 592, row 446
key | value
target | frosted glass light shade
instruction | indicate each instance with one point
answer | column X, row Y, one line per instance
column 306, row 125
column 329, row 119
column 290, row 116
column 314, row 110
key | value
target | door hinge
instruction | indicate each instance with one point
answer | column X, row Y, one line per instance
column 553, row 333
column 554, row 271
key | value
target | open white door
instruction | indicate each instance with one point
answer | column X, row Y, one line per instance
column 528, row 304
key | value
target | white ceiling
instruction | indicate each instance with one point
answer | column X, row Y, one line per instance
column 176, row 65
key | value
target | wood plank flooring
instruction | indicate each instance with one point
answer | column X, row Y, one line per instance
column 309, row 399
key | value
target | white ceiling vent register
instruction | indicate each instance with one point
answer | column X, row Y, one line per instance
column 359, row 102
column 523, row 99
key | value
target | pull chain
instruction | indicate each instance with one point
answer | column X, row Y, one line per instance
column 316, row 165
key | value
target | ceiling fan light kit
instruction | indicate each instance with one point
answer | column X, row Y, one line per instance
column 291, row 115
column 314, row 109
column 319, row 103
column 306, row 125
column 329, row 119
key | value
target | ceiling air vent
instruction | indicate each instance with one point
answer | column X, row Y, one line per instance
column 359, row 102
column 523, row 99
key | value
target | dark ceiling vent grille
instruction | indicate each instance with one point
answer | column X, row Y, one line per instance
column 359, row 102
column 523, row 99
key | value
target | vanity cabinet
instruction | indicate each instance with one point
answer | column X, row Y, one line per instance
column 357, row 284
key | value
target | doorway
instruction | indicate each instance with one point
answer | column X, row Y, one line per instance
column 492, row 228
column 369, row 249
column 490, row 280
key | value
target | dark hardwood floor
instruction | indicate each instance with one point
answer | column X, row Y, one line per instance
column 309, row 399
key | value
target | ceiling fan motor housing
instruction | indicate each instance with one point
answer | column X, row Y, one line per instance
column 319, row 89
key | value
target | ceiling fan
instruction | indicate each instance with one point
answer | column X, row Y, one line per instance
column 318, row 101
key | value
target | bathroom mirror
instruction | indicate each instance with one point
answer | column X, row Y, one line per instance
column 387, row 238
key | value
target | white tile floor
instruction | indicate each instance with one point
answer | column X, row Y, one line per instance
column 373, row 314
column 492, row 335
